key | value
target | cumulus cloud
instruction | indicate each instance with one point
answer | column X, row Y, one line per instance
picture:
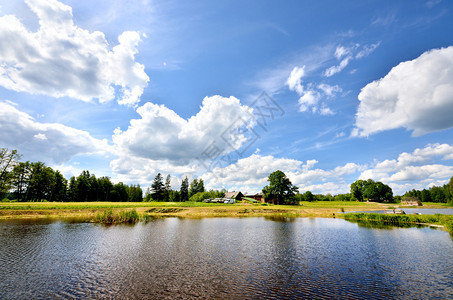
column 310, row 95
column 422, row 168
column 49, row 142
column 416, row 95
column 418, row 169
column 61, row 59
column 250, row 174
column 162, row 140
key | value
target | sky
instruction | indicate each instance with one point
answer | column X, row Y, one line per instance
column 328, row 92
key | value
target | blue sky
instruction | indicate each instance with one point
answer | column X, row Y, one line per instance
column 230, row 91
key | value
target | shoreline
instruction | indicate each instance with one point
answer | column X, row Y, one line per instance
column 88, row 211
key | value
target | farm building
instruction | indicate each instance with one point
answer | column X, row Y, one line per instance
column 411, row 201
column 258, row 197
column 234, row 195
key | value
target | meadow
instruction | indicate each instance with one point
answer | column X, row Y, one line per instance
column 185, row 209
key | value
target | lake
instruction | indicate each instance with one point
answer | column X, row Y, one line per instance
column 224, row 258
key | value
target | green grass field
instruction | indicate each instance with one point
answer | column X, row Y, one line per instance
column 89, row 210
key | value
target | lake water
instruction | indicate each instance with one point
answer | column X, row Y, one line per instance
column 224, row 258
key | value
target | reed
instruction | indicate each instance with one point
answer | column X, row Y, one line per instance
column 119, row 217
column 397, row 220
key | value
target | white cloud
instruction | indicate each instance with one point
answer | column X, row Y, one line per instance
column 61, row 59
column 309, row 99
column 336, row 69
column 250, row 174
column 326, row 111
column 347, row 54
column 48, row 142
column 416, row 95
column 341, row 51
column 418, row 169
column 40, row 136
column 367, row 50
column 295, row 79
column 329, row 90
column 310, row 96
column 432, row 3
column 162, row 140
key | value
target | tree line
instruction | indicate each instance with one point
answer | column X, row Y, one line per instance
column 439, row 194
column 34, row 181
column 195, row 192
column 281, row 191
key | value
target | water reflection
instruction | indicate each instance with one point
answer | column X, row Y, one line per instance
column 224, row 258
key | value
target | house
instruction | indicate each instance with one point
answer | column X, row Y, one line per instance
column 258, row 197
column 234, row 195
column 411, row 201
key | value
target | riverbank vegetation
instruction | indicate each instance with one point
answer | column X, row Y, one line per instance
column 119, row 217
column 86, row 211
column 397, row 220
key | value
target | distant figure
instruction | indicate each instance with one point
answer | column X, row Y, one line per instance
column 334, row 215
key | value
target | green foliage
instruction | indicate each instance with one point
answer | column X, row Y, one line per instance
column 8, row 160
column 167, row 187
column 60, row 189
column 184, row 192
column 327, row 197
column 397, row 220
column 371, row 190
column 196, row 186
column 158, row 188
column 109, row 217
column 343, row 197
column 134, row 193
column 307, row 196
column 200, row 196
column 174, row 196
column 280, row 189
column 438, row 194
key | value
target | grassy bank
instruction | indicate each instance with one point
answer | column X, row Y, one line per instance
column 90, row 210
column 441, row 220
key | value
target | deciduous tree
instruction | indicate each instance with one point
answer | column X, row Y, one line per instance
column 280, row 189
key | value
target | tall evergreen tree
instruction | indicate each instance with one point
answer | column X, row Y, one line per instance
column 196, row 186
column 105, row 186
column 158, row 188
column 167, row 188
column 184, row 192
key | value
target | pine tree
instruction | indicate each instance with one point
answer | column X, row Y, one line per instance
column 158, row 188
column 185, row 189
column 167, row 187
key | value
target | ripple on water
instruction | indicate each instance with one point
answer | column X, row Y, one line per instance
column 224, row 258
